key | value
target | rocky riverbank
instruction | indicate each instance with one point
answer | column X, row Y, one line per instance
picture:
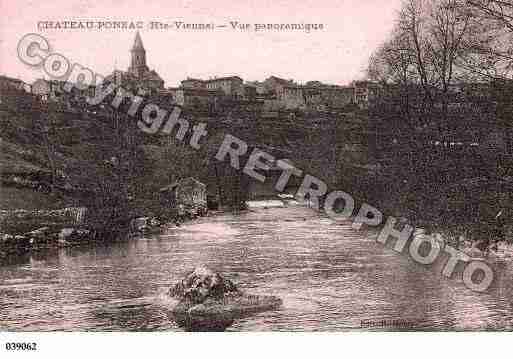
column 42, row 238
column 23, row 231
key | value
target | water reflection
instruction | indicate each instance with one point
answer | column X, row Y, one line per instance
column 202, row 324
column 128, row 317
column 10, row 260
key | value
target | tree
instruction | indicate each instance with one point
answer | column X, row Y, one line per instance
column 106, row 172
column 427, row 56
column 498, row 10
column 494, row 58
column 439, row 52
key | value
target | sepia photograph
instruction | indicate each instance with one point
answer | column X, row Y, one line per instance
column 334, row 166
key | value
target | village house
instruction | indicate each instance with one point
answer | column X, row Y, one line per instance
column 194, row 97
column 231, row 86
column 250, row 92
column 54, row 91
column 46, row 89
column 315, row 97
column 11, row 83
column 365, row 92
column 193, row 83
column 291, row 97
column 275, row 84
column 199, row 93
column 138, row 74
column 259, row 87
column 274, row 92
column 188, row 196
column 139, row 78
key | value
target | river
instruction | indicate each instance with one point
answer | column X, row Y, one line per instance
column 329, row 276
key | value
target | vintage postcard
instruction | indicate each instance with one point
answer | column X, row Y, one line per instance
column 255, row 166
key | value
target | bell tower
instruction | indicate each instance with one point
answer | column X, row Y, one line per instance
column 138, row 57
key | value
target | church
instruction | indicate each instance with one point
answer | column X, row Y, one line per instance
column 138, row 76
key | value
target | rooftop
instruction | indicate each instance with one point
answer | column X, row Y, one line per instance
column 225, row 78
column 2, row 77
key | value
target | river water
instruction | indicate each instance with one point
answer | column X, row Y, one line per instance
column 329, row 276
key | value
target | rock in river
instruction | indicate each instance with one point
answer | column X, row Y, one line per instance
column 208, row 301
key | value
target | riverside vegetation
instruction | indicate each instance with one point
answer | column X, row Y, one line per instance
column 55, row 159
column 435, row 146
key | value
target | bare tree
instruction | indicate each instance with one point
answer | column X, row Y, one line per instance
column 495, row 57
column 498, row 10
column 429, row 52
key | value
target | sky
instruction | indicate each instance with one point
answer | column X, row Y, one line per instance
column 337, row 54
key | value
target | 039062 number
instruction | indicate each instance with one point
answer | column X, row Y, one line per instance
column 21, row 346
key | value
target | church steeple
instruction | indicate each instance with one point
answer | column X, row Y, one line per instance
column 138, row 61
column 138, row 45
